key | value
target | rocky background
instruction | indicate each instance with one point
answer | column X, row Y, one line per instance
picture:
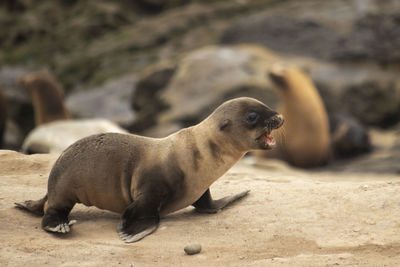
column 156, row 66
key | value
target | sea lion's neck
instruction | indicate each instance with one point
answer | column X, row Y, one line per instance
column 203, row 155
column 206, row 151
column 217, row 142
column 300, row 88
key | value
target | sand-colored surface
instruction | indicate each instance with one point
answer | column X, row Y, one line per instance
column 290, row 218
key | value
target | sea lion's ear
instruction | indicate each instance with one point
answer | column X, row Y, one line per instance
column 224, row 124
column 277, row 75
column 278, row 79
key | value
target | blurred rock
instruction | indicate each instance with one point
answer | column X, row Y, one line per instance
column 349, row 137
column 284, row 34
column 203, row 80
column 16, row 6
column 18, row 104
column 109, row 101
column 151, row 80
column 368, row 93
column 111, row 38
column 384, row 158
column 359, row 39
column 334, row 30
column 170, row 96
column 214, row 74
column 155, row 6
column 374, row 37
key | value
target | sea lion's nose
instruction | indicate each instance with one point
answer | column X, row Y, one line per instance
column 274, row 121
column 278, row 120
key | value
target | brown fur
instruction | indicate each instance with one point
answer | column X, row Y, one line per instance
column 304, row 140
column 47, row 97
column 143, row 178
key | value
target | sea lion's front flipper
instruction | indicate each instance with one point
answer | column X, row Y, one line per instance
column 138, row 220
column 205, row 204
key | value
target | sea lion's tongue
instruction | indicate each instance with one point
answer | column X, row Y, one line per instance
column 268, row 139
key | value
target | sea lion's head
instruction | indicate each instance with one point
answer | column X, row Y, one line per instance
column 290, row 79
column 248, row 123
column 47, row 97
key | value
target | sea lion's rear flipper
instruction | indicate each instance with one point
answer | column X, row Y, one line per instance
column 205, row 204
column 138, row 220
column 34, row 206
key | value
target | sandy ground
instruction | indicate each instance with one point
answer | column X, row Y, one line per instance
column 290, row 218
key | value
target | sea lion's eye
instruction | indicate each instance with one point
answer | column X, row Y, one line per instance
column 252, row 117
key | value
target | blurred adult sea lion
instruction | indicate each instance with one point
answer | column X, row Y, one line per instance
column 305, row 139
column 55, row 130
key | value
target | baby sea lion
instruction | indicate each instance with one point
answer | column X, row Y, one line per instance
column 144, row 178
column 305, row 138
column 55, row 130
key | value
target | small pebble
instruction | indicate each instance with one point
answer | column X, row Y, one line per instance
column 365, row 187
column 192, row 249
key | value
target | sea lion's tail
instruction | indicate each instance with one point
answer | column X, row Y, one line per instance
column 34, row 206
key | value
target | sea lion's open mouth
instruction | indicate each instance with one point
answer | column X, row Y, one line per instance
column 265, row 140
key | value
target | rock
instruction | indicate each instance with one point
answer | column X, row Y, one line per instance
column 18, row 104
column 155, row 6
column 370, row 94
column 214, row 74
column 165, row 93
column 349, row 137
column 109, row 101
column 285, row 34
column 152, row 80
column 339, row 30
column 359, row 38
column 374, row 37
column 192, row 249
column 383, row 158
column 374, row 103
column 210, row 75
column 110, row 38
column 13, row 137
